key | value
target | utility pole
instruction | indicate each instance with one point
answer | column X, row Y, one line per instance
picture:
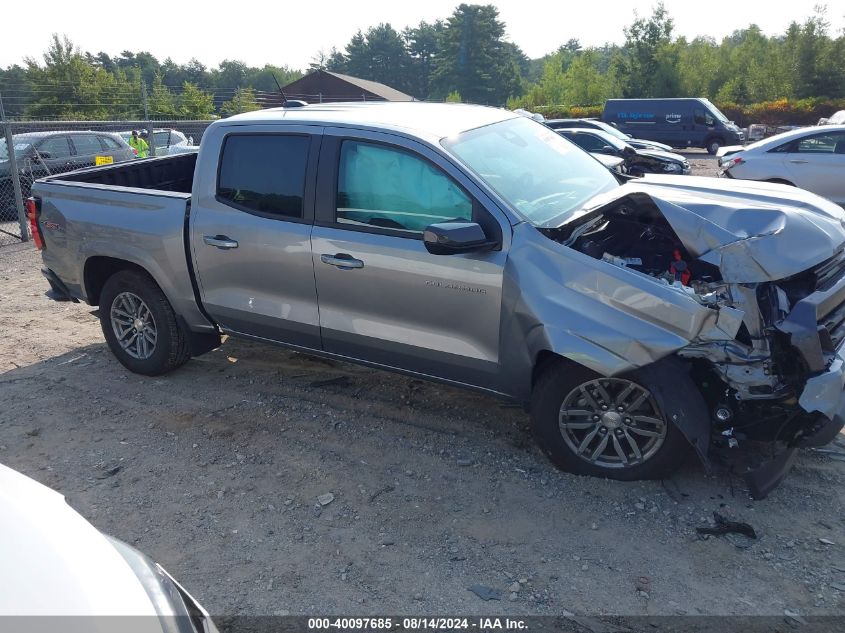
column 147, row 124
column 14, row 173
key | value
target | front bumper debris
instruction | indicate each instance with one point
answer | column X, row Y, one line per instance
column 766, row 477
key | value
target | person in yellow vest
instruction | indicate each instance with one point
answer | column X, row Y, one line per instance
column 138, row 144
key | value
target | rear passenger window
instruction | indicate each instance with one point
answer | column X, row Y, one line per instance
column 86, row 144
column 264, row 173
column 388, row 188
column 109, row 143
column 822, row 144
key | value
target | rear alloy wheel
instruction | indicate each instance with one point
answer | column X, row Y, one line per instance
column 604, row 427
column 133, row 325
column 140, row 326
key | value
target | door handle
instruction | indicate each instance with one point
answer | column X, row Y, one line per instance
column 342, row 261
column 220, row 241
column 798, row 162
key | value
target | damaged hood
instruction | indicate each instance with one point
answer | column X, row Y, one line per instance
column 753, row 231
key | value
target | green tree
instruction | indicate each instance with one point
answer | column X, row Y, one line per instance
column 647, row 56
column 243, row 101
column 474, row 58
column 194, row 103
column 69, row 87
column 160, row 101
column 378, row 55
column 423, row 46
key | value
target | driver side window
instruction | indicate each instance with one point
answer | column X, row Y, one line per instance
column 389, row 188
column 702, row 117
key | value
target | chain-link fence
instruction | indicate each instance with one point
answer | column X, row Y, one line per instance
column 33, row 149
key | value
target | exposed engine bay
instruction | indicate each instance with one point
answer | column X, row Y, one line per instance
column 633, row 234
column 748, row 370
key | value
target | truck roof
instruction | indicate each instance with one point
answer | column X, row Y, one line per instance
column 430, row 120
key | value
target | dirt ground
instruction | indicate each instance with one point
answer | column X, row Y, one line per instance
column 215, row 471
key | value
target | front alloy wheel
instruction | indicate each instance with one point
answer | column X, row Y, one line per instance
column 605, row 427
column 612, row 423
column 133, row 325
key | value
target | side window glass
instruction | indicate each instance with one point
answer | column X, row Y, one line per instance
column 264, row 173
column 86, row 144
column 162, row 139
column 822, row 144
column 55, row 146
column 586, row 142
column 699, row 116
column 389, row 188
column 109, row 144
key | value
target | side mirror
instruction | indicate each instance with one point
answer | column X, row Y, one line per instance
column 449, row 238
column 607, row 149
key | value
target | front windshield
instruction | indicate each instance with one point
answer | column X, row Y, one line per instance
column 716, row 112
column 606, row 127
column 20, row 149
column 543, row 176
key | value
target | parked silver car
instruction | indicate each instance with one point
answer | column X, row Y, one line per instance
column 812, row 158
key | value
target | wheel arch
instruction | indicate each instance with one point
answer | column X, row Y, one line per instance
column 99, row 268
column 97, row 271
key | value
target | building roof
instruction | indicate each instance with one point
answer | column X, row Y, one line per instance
column 373, row 87
column 432, row 121
column 382, row 90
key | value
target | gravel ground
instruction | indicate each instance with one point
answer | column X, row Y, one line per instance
column 702, row 163
column 268, row 483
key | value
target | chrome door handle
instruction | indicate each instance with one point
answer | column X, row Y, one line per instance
column 342, row 261
column 220, row 241
column 798, row 162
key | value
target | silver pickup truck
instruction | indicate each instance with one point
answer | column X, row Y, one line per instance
column 635, row 318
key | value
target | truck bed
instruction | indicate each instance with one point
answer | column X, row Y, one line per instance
column 168, row 173
column 135, row 212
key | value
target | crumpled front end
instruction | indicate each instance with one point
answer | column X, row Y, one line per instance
column 747, row 287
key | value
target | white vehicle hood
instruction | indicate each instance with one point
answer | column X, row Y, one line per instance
column 53, row 562
column 753, row 231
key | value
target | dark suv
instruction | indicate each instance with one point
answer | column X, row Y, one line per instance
column 41, row 154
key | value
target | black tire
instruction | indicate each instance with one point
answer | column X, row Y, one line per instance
column 170, row 349
column 713, row 144
column 558, row 381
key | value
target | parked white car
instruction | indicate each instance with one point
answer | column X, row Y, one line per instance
column 812, row 158
column 167, row 141
column 54, row 563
